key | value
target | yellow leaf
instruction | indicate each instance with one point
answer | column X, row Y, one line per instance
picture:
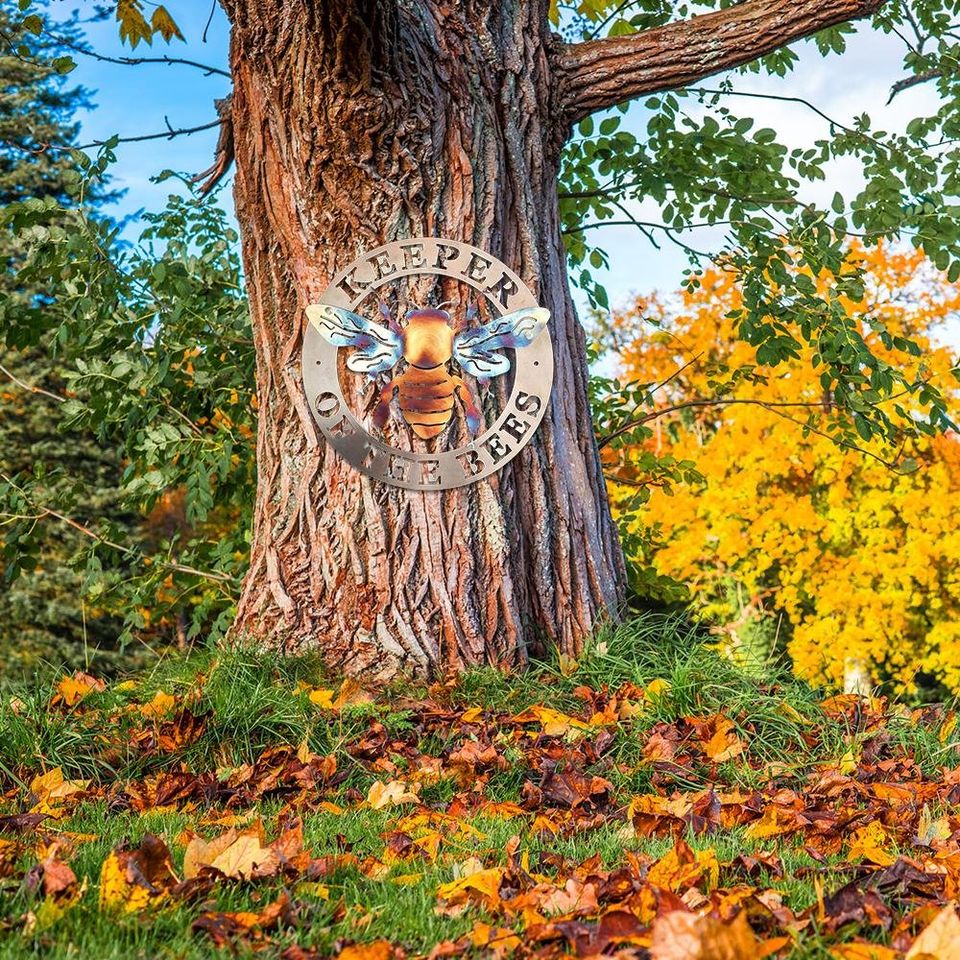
column 118, row 893
column 848, row 763
column 164, row 24
column 485, row 884
column 52, row 792
column 554, row 723
column 160, row 706
column 202, row 853
column 657, row 688
column 322, row 698
column 245, row 858
column 71, row 690
column 866, row 843
column 313, row 889
column 378, row 950
column 930, row 830
column 775, row 822
column 391, row 794
column 940, row 940
column 568, row 665
column 687, row 936
column 864, row 951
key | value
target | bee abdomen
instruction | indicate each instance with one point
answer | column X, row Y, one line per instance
column 426, row 402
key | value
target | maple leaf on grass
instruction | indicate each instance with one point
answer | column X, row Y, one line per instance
column 224, row 928
column 689, row 936
column 940, row 940
column 134, row 878
column 238, row 856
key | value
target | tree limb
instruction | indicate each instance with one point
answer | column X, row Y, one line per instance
column 223, row 153
column 913, row 81
column 601, row 73
column 167, row 134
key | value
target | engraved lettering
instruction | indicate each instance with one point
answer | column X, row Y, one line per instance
column 505, row 288
column 516, row 428
column 471, row 463
column 528, row 403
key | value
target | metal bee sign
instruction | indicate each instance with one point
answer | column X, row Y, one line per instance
column 426, row 372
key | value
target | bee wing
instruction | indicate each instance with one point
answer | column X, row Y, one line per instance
column 475, row 349
column 378, row 348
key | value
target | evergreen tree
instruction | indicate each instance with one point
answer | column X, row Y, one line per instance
column 43, row 613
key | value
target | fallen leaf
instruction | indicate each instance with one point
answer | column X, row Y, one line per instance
column 224, row 928
column 240, row 856
column 867, row 843
column 940, row 940
column 53, row 794
column 391, row 794
column 160, row 706
column 689, row 936
column 133, row 879
column 71, row 690
column 864, row 951
column 378, row 950
column 554, row 723
column 483, row 885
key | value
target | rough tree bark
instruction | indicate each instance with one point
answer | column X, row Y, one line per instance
column 357, row 122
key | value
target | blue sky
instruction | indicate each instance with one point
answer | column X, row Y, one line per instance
column 137, row 100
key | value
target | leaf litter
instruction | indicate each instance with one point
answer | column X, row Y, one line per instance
column 599, row 823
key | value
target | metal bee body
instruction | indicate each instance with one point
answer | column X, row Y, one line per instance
column 426, row 388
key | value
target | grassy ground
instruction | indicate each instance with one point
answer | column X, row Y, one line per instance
column 651, row 799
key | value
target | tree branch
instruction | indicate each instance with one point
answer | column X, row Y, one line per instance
column 167, row 134
column 136, row 61
column 601, row 73
column 223, row 153
column 913, row 81
column 713, row 402
column 31, row 389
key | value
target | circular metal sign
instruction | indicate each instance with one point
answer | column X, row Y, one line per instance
column 417, row 365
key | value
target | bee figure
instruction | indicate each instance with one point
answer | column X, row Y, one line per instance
column 427, row 343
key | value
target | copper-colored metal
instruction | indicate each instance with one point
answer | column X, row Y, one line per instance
column 419, row 356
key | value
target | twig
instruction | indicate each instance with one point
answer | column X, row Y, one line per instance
column 716, row 402
column 167, row 134
column 129, row 551
column 28, row 387
column 166, row 564
column 136, row 61
column 908, row 82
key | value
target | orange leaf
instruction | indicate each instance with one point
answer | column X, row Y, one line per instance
column 687, row 936
column 378, row 950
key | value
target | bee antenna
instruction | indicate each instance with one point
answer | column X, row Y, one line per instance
column 387, row 315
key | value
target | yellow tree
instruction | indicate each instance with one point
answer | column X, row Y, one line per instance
column 850, row 556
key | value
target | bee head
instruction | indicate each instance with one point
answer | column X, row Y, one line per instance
column 427, row 337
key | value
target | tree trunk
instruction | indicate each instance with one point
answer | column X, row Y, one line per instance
column 358, row 123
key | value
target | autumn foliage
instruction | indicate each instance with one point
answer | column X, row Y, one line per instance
column 846, row 553
column 645, row 803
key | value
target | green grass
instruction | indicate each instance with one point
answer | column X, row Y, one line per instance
column 250, row 706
